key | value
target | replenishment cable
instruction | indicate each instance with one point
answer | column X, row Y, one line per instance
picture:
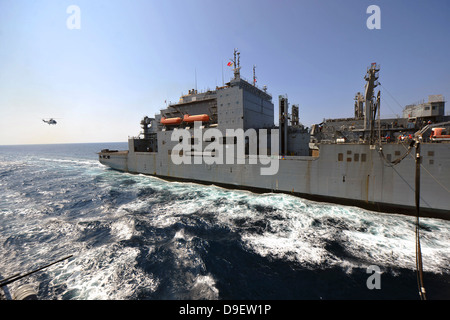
column 419, row 266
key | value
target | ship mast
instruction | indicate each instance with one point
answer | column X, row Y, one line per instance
column 237, row 64
column 372, row 103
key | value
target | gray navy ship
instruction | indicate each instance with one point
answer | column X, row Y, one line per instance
column 228, row 137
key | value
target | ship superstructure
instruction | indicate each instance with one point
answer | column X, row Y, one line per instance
column 228, row 137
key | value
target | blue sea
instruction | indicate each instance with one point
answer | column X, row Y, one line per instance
column 136, row 237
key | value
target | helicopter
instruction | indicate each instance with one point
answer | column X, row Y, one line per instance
column 50, row 121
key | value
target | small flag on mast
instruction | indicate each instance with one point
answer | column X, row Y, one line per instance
column 230, row 64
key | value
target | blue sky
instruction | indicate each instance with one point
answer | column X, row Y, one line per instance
column 131, row 56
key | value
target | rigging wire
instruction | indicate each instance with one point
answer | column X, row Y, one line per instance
column 392, row 96
column 419, row 266
column 429, row 173
column 389, row 106
column 416, row 143
column 399, row 159
column 380, row 150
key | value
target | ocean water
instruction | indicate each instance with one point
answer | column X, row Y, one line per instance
column 140, row 237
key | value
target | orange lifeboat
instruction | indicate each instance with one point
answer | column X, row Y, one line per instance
column 199, row 117
column 439, row 134
column 171, row 121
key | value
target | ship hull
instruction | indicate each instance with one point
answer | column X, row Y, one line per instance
column 351, row 174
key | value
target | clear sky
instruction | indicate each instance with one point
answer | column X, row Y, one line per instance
column 129, row 56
